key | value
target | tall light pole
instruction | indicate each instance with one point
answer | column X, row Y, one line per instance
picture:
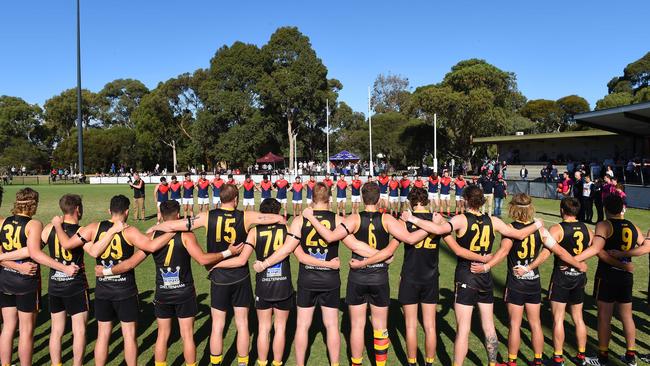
column 372, row 170
column 435, row 143
column 327, row 121
column 80, row 144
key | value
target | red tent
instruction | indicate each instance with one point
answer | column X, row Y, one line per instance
column 270, row 158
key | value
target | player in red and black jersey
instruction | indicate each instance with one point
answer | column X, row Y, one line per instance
column 296, row 195
column 216, row 184
column 161, row 194
column 116, row 295
column 475, row 232
column 523, row 285
column 188, row 195
column 355, row 186
column 230, row 280
column 203, row 193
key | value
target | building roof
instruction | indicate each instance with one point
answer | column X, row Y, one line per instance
column 541, row 136
column 631, row 119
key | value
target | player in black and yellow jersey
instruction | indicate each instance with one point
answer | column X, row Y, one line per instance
column 21, row 293
column 567, row 281
column 116, row 295
column 68, row 295
column 175, row 293
column 318, row 275
column 230, row 287
column 419, row 277
column 368, row 284
column 523, row 285
column 274, row 295
column 616, row 238
column 475, row 232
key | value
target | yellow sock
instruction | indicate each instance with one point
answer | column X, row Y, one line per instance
column 412, row 360
column 262, row 363
column 57, row 364
column 277, row 363
column 335, row 364
column 493, row 363
column 512, row 357
column 429, row 359
column 582, row 349
column 216, row 359
column 538, row 355
column 242, row 360
column 160, row 363
column 191, row 364
column 356, row 361
column 603, row 348
column 558, row 353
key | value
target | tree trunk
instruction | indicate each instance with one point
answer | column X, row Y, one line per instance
column 290, row 134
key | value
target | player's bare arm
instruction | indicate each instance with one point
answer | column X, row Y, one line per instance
column 643, row 247
column 308, row 260
column 146, row 243
column 398, row 230
column 511, row 232
column 290, row 243
column 359, row 247
column 378, row 257
column 252, row 218
column 344, row 226
column 37, row 254
column 207, row 259
column 122, row 267
column 464, row 253
column 189, row 224
column 245, row 254
column 428, row 226
column 99, row 247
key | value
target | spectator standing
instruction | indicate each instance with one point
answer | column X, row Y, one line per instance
column 500, row 193
column 138, row 196
column 596, row 192
column 487, row 185
column 587, row 199
column 577, row 193
column 523, row 173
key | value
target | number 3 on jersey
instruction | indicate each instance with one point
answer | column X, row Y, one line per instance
column 12, row 237
column 311, row 242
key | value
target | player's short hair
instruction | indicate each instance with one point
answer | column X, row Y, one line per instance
column 370, row 193
column 418, row 196
column 229, row 193
column 474, row 197
column 521, row 208
column 163, row 179
column 321, row 193
column 247, row 176
column 119, row 204
column 26, row 202
column 230, row 176
column 270, row 205
column 570, row 206
column 613, row 204
column 188, row 175
column 265, row 177
column 69, row 202
column 170, row 209
column 174, row 177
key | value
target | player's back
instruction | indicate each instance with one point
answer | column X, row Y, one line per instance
column 226, row 226
column 372, row 231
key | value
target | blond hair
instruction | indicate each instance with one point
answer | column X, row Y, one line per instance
column 521, row 208
column 26, row 202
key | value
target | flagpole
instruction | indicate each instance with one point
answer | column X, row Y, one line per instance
column 372, row 170
column 80, row 143
column 327, row 119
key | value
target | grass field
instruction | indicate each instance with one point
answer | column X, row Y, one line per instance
column 96, row 200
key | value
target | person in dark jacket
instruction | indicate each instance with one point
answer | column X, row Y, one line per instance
column 500, row 193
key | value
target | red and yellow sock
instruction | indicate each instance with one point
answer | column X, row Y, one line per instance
column 381, row 344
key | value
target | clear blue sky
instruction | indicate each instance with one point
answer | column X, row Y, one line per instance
column 555, row 47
